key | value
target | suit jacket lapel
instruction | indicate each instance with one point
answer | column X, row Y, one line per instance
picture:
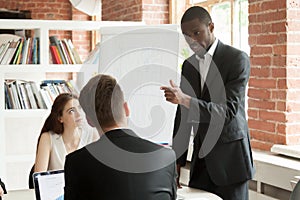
column 192, row 74
column 213, row 68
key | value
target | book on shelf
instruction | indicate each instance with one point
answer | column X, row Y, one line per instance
column 30, row 96
column 2, row 47
column 54, row 41
column 60, row 86
column 8, row 100
column 21, row 97
column 3, row 50
column 17, row 57
column 13, row 94
column 29, row 51
column 9, row 44
column 46, row 98
column 25, row 96
column 55, row 54
column 74, row 51
column 50, row 89
column 22, row 94
column 69, row 51
column 38, row 96
column 25, row 51
column 10, row 52
column 18, row 50
column 63, row 51
column 35, row 47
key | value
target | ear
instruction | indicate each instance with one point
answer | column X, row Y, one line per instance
column 126, row 108
column 211, row 27
column 60, row 120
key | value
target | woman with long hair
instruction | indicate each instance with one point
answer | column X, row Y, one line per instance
column 64, row 131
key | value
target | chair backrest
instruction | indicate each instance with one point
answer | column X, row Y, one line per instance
column 295, row 195
column 30, row 180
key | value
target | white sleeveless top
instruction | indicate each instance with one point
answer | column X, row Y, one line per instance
column 58, row 150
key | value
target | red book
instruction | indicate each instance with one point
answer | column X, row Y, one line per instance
column 55, row 55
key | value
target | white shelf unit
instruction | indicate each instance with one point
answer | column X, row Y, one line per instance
column 19, row 129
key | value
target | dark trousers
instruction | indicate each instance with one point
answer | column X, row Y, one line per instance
column 200, row 179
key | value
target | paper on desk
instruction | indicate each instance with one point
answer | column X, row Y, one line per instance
column 51, row 187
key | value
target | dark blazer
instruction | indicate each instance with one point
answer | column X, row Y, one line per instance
column 217, row 115
column 120, row 165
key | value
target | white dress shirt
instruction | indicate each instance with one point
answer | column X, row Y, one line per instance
column 204, row 63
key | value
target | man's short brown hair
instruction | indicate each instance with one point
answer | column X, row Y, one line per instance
column 102, row 100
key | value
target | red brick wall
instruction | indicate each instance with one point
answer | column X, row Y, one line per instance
column 275, row 77
column 156, row 11
column 127, row 10
column 41, row 9
column 81, row 39
column 149, row 11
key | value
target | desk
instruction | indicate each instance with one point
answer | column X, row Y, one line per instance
column 195, row 194
column 27, row 194
column 187, row 193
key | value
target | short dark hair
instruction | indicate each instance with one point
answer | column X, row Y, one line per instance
column 102, row 100
column 196, row 12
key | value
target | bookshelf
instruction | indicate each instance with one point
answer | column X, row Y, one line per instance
column 19, row 128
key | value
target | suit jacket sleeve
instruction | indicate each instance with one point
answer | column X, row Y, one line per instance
column 174, row 185
column 182, row 129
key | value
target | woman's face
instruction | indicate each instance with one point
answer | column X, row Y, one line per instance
column 72, row 114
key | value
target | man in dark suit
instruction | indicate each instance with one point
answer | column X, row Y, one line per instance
column 120, row 165
column 211, row 102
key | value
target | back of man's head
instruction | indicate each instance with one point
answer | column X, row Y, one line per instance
column 102, row 100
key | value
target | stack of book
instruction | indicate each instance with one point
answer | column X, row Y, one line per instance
column 50, row 89
column 20, row 94
column 63, row 51
column 18, row 50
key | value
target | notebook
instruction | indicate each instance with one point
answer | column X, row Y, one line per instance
column 49, row 185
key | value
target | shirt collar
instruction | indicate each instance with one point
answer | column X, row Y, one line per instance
column 211, row 50
column 213, row 47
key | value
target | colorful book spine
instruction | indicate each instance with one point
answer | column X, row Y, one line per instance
column 55, row 41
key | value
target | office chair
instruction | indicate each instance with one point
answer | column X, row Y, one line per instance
column 295, row 195
column 30, row 180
